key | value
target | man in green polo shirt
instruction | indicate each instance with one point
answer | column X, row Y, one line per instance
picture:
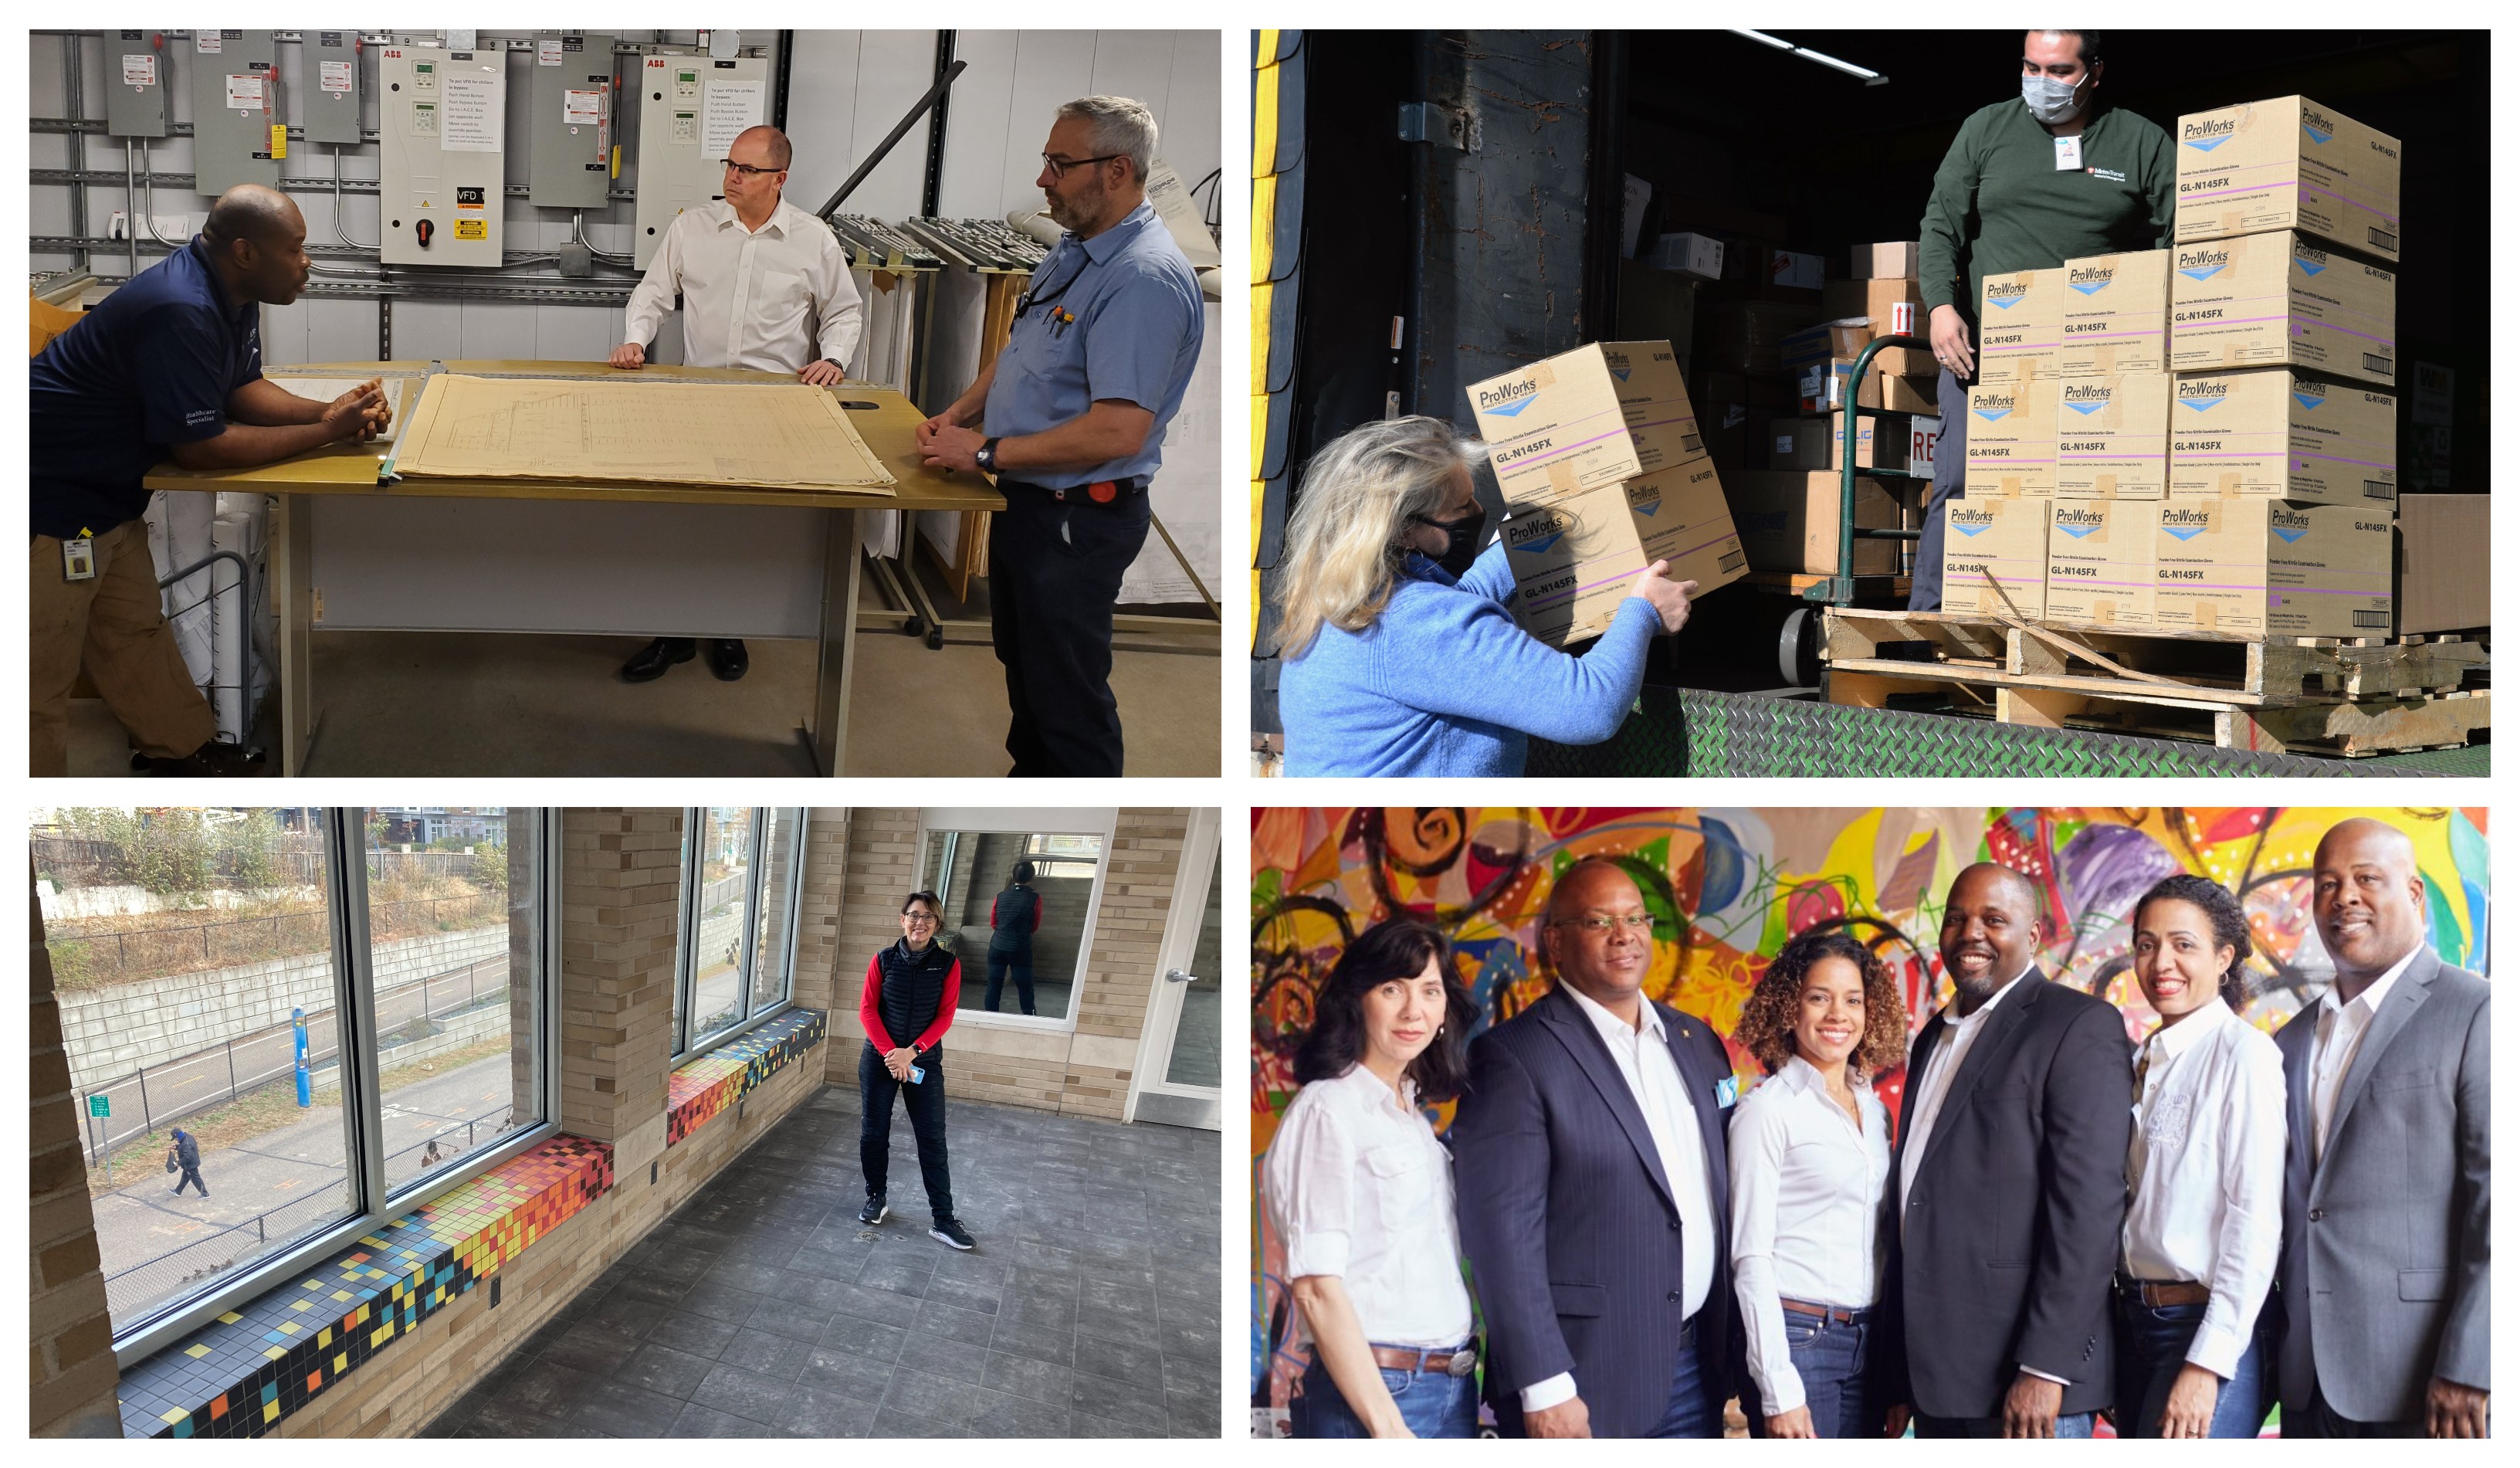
column 2028, row 185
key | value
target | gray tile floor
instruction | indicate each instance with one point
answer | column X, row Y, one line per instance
column 761, row 1309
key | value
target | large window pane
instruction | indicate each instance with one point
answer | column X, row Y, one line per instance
column 454, row 946
column 996, row 929
column 1199, row 1042
column 781, row 854
column 721, row 926
column 186, row 945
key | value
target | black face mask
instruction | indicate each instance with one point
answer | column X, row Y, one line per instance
column 1462, row 538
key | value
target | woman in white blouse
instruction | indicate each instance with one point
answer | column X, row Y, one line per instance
column 2204, row 1177
column 1811, row 1156
column 1362, row 1195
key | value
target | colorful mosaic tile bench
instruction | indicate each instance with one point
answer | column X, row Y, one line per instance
column 255, row 1364
column 711, row 1083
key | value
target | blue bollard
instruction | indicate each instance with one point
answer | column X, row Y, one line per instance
column 306, row 1077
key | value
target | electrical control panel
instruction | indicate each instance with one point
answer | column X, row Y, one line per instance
column 570, row 133
column 240, row 130
column 328, row 89
column 135, row 105
column 690, row 108
column 441, row 125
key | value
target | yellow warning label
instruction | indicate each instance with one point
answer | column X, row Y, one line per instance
column 279, row 140
column 472, row 229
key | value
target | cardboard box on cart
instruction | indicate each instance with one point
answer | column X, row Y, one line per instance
column 2100, row 562
column 2117, row 315
column 2283, row 434
column 2113, row 437
column 1599, row 415
column 2263, row 568
column 2011, row 449
column 2279, row 299
column 2020, row 324
column 1788, row 520
column 2445, row 543
column 2287, row 163
column 1998, row 537
column 1574, row 560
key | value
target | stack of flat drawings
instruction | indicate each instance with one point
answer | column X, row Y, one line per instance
column 773, row 436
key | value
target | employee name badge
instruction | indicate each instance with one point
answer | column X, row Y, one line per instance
column 79, row 560
column 2069, row 155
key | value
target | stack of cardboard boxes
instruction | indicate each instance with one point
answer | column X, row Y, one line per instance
column 1604, row 469
column 2202, row 438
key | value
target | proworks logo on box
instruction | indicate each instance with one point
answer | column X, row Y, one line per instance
column 2312, row 262
column 1993, row 408
column 2207, row 134
column 2079, row 522
column 2005, row 297
column 1510, row 399
column 2203, row 394
column 2197, row 264
column 2185, row 525
column 2091, row 279
column 2088, row 400
column 2307, row 393
column 1539, row 532
column 1970, row 522
column 2320, row 128
column 2289, row 525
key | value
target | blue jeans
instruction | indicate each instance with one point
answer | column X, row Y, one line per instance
column 1694, row 1410
column 2152, row 1345
column 1950, row 473
column 1432, row 1403
column 2079, row 1425
column 1831, row 1358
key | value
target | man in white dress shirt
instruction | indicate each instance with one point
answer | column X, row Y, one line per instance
column 2385, row 1276
column 1593, row 1188
column 764, row 286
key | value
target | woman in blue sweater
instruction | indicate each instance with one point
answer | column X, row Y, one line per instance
column 1401, row 655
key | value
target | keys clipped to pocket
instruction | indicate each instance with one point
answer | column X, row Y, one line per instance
column 78, row 559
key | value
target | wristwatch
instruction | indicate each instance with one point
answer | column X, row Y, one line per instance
column 987, row 457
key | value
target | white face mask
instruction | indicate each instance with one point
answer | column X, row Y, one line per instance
column 2049, row 100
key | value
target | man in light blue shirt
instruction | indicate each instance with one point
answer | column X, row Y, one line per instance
column 1070, row 419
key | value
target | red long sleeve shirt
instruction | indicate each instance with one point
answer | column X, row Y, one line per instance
column 870, row 1015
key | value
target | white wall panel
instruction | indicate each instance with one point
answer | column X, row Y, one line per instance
column 977, row 132
column 340, row 331
column 1051, row 67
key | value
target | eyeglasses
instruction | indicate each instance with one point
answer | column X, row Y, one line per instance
column 1059, row 167
column 919, row 919
column 1638, row 922
column 747, row 170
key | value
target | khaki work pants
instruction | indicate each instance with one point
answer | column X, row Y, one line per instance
column 115, row 624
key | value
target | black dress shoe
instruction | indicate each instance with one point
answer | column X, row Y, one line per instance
column 655, row 658
column 727, row 659
column 214, row 759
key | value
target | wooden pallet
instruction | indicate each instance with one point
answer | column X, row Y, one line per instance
column 2343, row 728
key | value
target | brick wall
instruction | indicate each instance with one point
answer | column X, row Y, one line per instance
column 1086, row 1072
column 73, row 1369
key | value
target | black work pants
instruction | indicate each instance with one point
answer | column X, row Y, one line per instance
column 925, row 1103
column 1054, row 570
column 999, row 964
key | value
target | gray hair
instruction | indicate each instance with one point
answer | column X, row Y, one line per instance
column 1355, row 500
column 1122, row 127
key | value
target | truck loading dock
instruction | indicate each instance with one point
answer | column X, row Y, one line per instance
column 1497, row 199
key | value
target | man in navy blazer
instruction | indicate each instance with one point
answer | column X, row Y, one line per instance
column 1589, row 1166
column 2010, row 1185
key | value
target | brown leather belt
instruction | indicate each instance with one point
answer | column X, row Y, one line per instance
column 1448, row 1362
column 1839, row 1313
column 2176, row 1291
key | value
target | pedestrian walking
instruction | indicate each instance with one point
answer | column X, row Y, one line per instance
column 187, row 1159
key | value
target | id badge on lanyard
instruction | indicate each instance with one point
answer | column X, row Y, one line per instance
column 2069, row 155
column 78, row 558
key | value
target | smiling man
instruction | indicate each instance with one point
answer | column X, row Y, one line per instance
column 2385, row 1271
column 1593, row 1200
column 2012, row 1174
column 169, row 366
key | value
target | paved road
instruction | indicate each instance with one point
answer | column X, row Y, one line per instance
column 180, row 1087
column 142, row 1221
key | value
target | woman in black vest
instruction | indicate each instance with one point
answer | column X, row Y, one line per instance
column 906, row 1008
column 1013, row 917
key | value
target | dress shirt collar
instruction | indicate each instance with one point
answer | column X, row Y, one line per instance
column 1801, row 1076
column 1364, row 1083
column 723, row 216
column 1111, row 241
column 2370, row 997
column 1953, row 1018
column 2170, row 1041
column 1650, row 1023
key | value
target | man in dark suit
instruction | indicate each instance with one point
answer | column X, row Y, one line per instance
column 1589, row 1162
column 2384, row 1275
column 2013, row 1125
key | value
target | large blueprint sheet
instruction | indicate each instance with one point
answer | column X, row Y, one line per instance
column 782, row 436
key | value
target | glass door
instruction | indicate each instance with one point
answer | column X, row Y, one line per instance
column 1182, row 1053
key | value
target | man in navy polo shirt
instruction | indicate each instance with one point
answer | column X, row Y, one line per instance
column 169, row 366
column 1071, row 418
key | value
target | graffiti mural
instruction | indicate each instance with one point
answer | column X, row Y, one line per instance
column 1727, row 887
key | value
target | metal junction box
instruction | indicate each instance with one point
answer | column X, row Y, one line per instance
column 690, row 110
column 327, row 88
column 441, row 131
column 135, row 105
column 240, row 130
column 570, row 130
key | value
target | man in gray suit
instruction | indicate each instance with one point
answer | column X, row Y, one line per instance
column 2384, row 1278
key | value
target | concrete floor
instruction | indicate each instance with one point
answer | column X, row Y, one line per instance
column 504, row 703
column 762, row 1309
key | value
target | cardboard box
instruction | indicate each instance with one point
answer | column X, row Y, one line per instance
column 1657, row 305
column 1788, row 520
column 1599, row 414
column 1823, row 392
column 2283, row 434
column 1573, row 561
column 1687, row 255
column 2117, row 315
column 2002, row 538
column 1801, row 271
column 1711, row 387
column 2113, row 437
column 2444, row 546
column 1896, row 307
column 1827, row 341
column 1896, row 260
column 2099, row 561
column 1907, row 361
column 2287, row 163
column 2263, row 568
column 2011, row 447
column 1748, row 336
column 2272, row 300
column 1810, row 443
